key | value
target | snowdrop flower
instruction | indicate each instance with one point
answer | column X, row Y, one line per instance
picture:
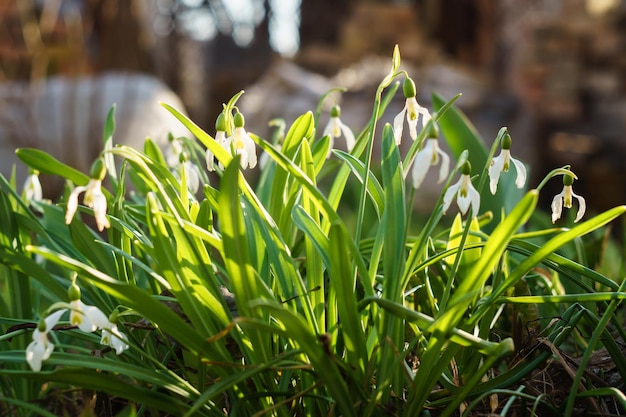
column 41, row 348
column 94, row 198
column 466, row 194
column 178, row 159
column 429, row 156
column 502, row 164
column 192, row 173
column 112, row 337
column 172, row 153
column 221, row 139
column 242, row 143
column 87, row 318
column 564, row 198
column 32, row 187
column 335, row 127
column 412, row 110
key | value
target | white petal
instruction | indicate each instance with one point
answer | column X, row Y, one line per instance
column 328, row 130
column 193, row 176
column 72, row 204
column 32, row 188
column 210, row 160
column 251, row 151
column 35, row 352
column 53, row 319
column 96, row 316
column 463, row 203
column 244, row 158
column 99, row 203
column 347, row 133
column 118, row 340
column 412, row 128
column 582, row 205
column 557, row 206
column 425, row 116
column 475, row 199
column 449, row 195
column 521, row 173
column 398, row 123
column 421, row 164
column 445, row 165
column 495, row 169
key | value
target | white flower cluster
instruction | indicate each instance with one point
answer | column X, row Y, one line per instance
column 87, row 318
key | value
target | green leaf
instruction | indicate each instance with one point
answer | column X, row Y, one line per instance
column 46, row 164
column 374, row 189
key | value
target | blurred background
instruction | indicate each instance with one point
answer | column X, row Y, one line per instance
column 552, row 71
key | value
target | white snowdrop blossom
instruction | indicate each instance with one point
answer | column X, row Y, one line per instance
column 221, row 139
column 112, row 337
column 502, row 163
column 466, row 194
column 172, row 153
column 427, row 157
column 242, row 143
column 564, row 198
column 41, row 348
column 192, row 175
column 412, row 110
column 87, row 318
column 335, row 128
column 94, row 198
column 32, row 187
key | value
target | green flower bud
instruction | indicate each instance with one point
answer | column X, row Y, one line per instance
column 220, row 123
column 506, row 141
column 408, row 88
column 113, row 316
column 568, row 180
column 239, row 120
column 73, row 292
column 335, row 111
column 41, row 325
column 466, row 169
column 98, row 169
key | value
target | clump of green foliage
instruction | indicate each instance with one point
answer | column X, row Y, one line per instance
column 229, row 299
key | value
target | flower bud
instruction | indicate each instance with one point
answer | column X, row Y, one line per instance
column 568, row 180
column 98, row 169
column 466, row 169
column 220, row 123
column 408, row 88
column 73, row 292
column 239, row 120
column 506, row 141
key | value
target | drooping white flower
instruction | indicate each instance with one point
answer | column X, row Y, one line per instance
column 427, row 157
column 112, row 337
column 466, row 194
column 335, row 128
column 221, row 139
column 412, row 110
column 87, row 318
column 502, row 163
column 32, row 187
column 564, row 198
column 94, row 198
column 172, row 153
column 242, row 143
column 41, row 348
